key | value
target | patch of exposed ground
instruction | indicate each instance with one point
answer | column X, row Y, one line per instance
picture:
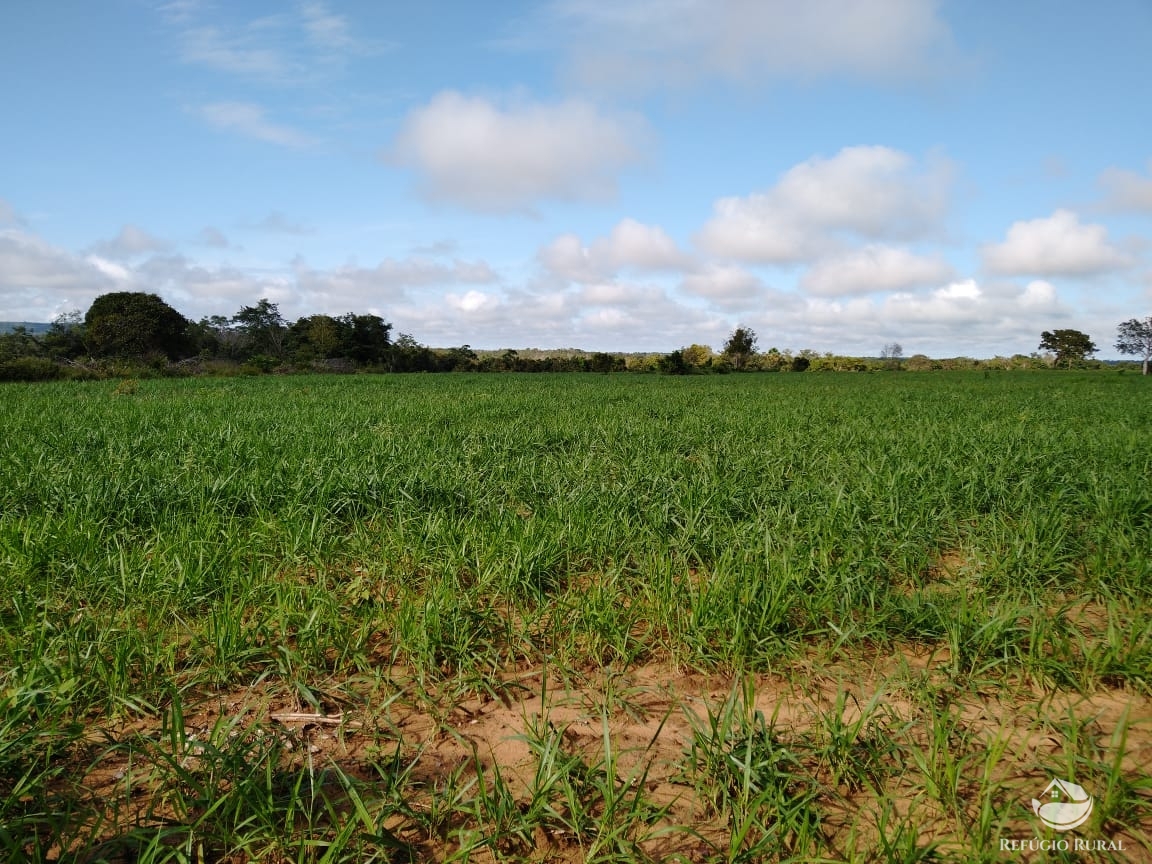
column 884, row 742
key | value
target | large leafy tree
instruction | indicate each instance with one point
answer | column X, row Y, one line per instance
column 740, row 347
column 263, row 327
column 1069, row 346
column 316, row 337
column 1135, row 337
column 365, row 337
column 133, row 324
column 65, row 338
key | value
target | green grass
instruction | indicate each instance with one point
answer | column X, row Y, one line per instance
column 325, row 538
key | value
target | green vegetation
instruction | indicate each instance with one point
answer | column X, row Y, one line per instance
column 1069, row 346
column 610, row 618
column 132, row 334
column 1135, row 337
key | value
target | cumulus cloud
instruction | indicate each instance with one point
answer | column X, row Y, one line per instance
column 1127, row 191
column 249, row 120
column 131, row 242
column 631, row 245
column 495, row 157
column 868, row 192
column 38, row 281
column 963, row 316
column 643, row 44
column 387, row 282
column 874, row 268
column 1057, row 245
column 299, row 289
column 726, row 285
column 608, row 316
column 196, row 290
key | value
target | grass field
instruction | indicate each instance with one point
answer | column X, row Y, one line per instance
column 463, row 617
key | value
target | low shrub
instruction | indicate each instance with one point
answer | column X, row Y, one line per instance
column 29, row 369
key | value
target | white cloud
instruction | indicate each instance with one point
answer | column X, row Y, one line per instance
column 1058, row 245
column 347, row 288
column 568, row 258
column 249, row 120
column 967, row 303
column 1039, row 294
column 38, row 281
column 325, row 28
column 131, row 242
column 870, row 192
column 505, row 158
column 962, row 317
column 874, row 268
column 111, row 269
column 611, row 316
column 1127, row 190
column 644, row 247
column 728, row 286
column 301, row 43
column 472, row 301
column 196, row 290
column 237, row 54
column 631, row 245
column 643, row 44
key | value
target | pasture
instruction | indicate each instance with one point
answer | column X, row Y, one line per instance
column 763, row 617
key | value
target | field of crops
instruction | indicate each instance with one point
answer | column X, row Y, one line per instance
column 607, row 618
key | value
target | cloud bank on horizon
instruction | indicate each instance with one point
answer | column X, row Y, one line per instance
column 627, row 175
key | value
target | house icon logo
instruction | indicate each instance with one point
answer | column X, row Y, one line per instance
column 1068, row 805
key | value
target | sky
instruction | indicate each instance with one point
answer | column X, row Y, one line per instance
column 622, row 175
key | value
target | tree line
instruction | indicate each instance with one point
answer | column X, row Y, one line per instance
column 138, row 333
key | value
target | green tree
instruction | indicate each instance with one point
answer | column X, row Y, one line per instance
column 263, row 327
column 1135, row 337
column 134, row 324
column 740, row 347
column 20, row 342
column 674, row 364
column 65, row 338
column 315, row 337
column 365, row 338
column 408, row 355
column 603, row 362
column 1069, row 346
column 461, row 359
column 697, row 355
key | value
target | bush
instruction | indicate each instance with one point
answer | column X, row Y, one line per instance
column 29, row 369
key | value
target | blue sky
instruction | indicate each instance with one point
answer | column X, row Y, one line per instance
column 623, row 175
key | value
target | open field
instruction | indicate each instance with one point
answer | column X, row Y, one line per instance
column 765, row 617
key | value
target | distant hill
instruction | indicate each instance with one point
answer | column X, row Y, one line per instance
column 30, row 326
